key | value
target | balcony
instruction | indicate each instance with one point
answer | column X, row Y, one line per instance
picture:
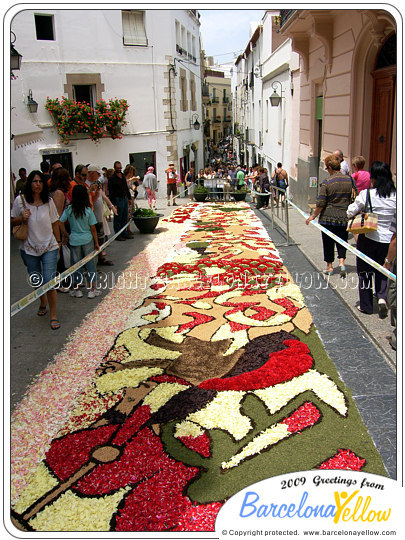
column 285, row 14
column 181, row 51
column 205, row 90
column 217, row 120
column 225, row 100
column 215, row 99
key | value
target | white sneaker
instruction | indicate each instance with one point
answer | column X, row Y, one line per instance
column 93, row 293
column 63, row 290
column 77, row 293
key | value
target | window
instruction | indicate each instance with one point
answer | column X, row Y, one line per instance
column 178, row 33
column 84, row 92
column 133, row 28
column 183, row 90
column 84, row 87
column 44, row 27
column 193, row 103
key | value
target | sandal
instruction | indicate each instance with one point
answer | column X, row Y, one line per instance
column 42, row 311
column 55, row 324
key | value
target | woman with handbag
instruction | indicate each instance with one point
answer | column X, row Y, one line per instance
column 331, row 206
column 39, row 250
column 382, row 197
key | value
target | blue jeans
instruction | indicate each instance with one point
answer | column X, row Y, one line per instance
column 41, row 268
column 121, row 219
column 76, row 254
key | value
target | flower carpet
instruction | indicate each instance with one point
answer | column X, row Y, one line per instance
column 173, row 396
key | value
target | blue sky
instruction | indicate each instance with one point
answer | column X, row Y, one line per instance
column 226, row 31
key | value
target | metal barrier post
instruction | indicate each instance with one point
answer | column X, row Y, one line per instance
column 287, row 220
column 272, row 207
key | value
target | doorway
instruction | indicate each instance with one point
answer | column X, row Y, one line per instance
column 65, row 159
column 383, row 113
column 141, row 161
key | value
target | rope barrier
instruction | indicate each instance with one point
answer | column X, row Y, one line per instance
column 27, row 300
column 355, row 251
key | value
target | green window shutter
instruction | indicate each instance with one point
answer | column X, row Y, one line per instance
column 319, row 108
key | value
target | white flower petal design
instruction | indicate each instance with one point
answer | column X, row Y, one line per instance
column 275, row 397
column 223, row 412
column 161, row 394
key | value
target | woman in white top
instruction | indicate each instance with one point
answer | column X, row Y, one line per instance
column 219, row 186
column 375, row 244
column 209, row 183
column 40, row 250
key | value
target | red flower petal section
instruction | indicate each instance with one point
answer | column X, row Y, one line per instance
column 305, row 416
column 344, row 459
column 157, row 504
column 199, row 444
column 282, row 366
column 142, row 457
column 68, row 454
column 199, row 318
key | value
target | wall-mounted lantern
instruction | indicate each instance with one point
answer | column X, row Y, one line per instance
column 31, row 103
column 194, row 122
column 15, row 56
column 275, row 98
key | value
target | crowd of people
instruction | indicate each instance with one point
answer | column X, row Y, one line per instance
column 67, row 219
column 343, row 196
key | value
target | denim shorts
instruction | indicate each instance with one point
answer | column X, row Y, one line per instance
column 76, row 254
column 41, row 268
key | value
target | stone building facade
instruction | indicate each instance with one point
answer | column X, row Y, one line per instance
column 122, row 54
column 347, row 89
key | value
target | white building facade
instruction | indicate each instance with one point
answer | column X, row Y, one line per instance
column 105, row 54
column 267, row 134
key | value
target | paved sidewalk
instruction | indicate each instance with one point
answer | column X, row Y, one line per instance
column 309, row 241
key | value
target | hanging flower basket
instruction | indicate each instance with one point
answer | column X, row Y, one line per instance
column 72, row 117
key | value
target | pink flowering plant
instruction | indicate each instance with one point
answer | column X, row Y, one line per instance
column 71, row 117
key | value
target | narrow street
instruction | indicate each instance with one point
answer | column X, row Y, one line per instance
column 365, row 364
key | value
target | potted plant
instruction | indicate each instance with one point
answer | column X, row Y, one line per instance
column 200, row 193
column 145, row 219
column 240, row 194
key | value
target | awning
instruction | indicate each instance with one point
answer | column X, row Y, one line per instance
column 23, row 131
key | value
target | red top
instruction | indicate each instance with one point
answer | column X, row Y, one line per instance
column 171, row 175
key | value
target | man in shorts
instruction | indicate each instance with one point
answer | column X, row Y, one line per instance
column 171, row 183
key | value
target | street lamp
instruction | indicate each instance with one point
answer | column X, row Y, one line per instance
column 31, row 103
column 275, row 99
column 15, row 56
column 194, row 122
